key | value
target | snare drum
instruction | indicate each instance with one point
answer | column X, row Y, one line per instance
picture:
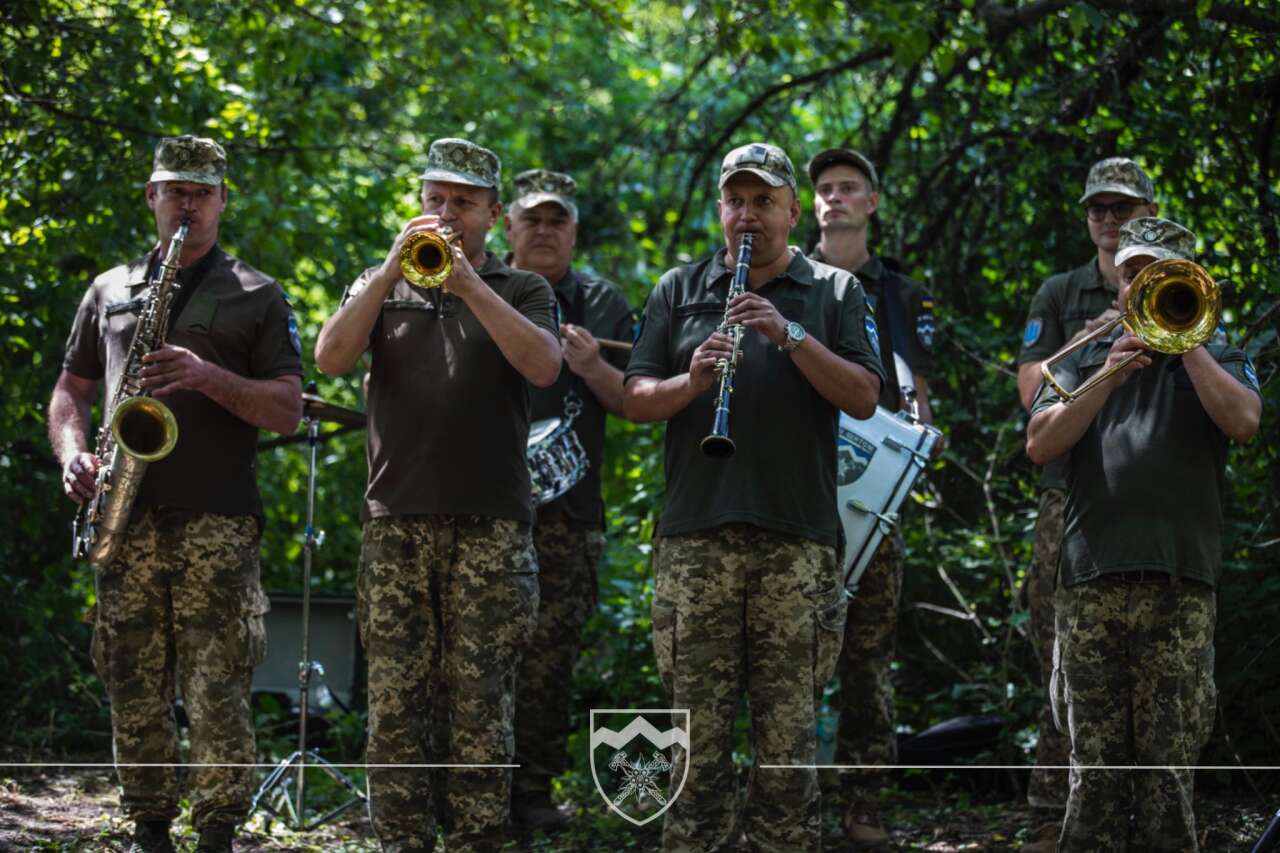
column 556, row 459
column 877, row 461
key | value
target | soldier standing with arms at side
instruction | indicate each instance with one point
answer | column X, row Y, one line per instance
column 747, row 590
column 181, row 604
column 1067, row 306
column 846, row 194
column 542, row 225
column 1146, row 453
column 448, row 588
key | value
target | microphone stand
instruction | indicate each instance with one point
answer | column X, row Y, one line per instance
column 293, row 811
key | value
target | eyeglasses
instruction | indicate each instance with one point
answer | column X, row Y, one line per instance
column 1097, row 211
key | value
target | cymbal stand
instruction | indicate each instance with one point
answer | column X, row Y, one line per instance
column 293, row 811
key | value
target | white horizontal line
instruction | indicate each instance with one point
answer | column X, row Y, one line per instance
column 1018, row 767
column 110, row 765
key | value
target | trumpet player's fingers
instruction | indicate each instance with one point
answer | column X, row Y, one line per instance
column 1124, row 347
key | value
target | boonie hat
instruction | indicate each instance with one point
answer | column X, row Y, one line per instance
column 189, row 158
column 457, row 161
column 767, row 162
column 1159, row 238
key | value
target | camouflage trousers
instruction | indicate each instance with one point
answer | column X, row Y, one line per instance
column 1132, row 666
column 445, row 605
column 740, row 609
column 866, row 733
column 182, row 606
column 567, row 561
column 1047, row 791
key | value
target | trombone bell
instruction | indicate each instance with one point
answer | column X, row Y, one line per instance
column 1173, row 306
column 426, row 258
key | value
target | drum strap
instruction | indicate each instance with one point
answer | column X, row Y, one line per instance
column 576, row 313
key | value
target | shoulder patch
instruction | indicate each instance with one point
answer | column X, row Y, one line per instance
column 1032, row 334
column 925, row 325
column 1220, row 335
column 293, row 335
column 873, row 336
column 639, row 327
column 1251, row 374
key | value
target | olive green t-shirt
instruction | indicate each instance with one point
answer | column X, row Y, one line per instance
column 448, row 414
column 782, row 475
column 1061, row 308
column 605, row 314
column 227, row 313
column 906, row 325
column 1146, row 482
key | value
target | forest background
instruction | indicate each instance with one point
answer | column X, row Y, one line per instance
column 983, row 118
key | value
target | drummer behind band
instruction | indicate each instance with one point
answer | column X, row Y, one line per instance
column 747, row 590
column 542, row 226
column 1067, row 306
column 182, row 606
column 1146, row 451
column 447, row 577
column 846, row 195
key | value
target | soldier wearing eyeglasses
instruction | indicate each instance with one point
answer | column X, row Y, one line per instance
column 1068, row 306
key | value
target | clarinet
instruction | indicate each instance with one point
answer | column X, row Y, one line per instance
column 717, row 444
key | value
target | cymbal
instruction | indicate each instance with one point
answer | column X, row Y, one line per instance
column 314, row 406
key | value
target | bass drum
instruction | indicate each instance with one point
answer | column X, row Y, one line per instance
column 877, row 461
column 556, row 459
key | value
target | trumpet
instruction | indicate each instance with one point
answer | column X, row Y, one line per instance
column 1173, row 306
column 426, row 258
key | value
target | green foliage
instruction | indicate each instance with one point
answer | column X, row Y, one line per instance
column 983, row 118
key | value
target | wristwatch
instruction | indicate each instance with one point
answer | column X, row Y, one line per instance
column 795, row 334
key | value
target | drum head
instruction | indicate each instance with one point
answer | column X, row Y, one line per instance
column 539, row 430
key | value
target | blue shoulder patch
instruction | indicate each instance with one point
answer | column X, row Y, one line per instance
column 1032, row 334
column 925, row 327
column 635, row 335
column 1251, row 374
column 872, row 334
column 293, row 335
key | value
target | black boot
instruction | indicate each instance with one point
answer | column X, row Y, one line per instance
column 151, row 836
column 216, row 838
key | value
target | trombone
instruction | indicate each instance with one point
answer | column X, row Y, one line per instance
column 1173, row 306
column 426, row 258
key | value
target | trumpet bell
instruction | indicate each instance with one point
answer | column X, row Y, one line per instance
column 1174, row 306
column 426, row 258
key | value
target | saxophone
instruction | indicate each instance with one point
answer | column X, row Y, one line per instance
column 717, row 444
column 140, row 429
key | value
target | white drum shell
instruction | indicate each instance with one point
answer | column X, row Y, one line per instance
column 877, row 461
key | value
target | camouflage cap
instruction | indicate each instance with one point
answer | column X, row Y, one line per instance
column 1158, row 238
column 767, row 162
column 1118, row 175
column 538, row 186
column 847, row 156
column 189, row 158
column 457, row 161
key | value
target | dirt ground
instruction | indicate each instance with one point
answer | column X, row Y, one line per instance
column 75, row 811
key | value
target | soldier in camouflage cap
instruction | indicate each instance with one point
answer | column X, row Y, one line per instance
column 181, row 607
column 1145, row 451
column 448, row 589
column 1159, row 239
column 1118, row 175
column 189, row 158
column 458, row 161
column 1066, row 306
column 748, row 598
column 542, row 227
